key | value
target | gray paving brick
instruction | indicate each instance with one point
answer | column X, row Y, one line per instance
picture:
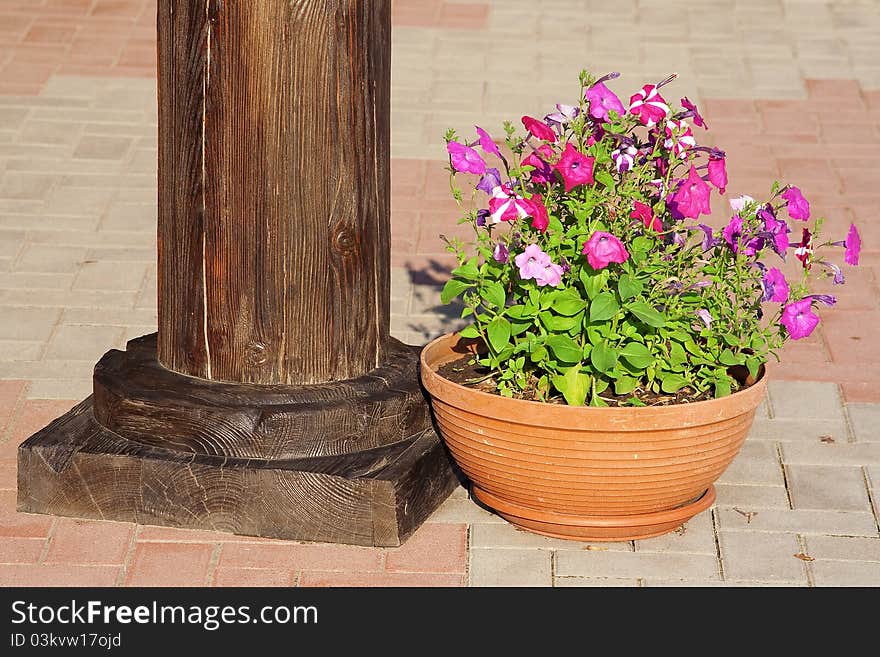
column 642, row 565
column 26, row 186
column 873, row 476
column 10, row 242
column 807, row 431
column 602, row 582
column 505, row 535
column 756, row 463
column 463, row 510
column 77, row 389
column 751, row 496
column 131, row 216
column 45, row 258
column 843, row 548
column 496, row 567
column 865, row 420
column 835, row 488
column 65, row 200
column 50, row 132
column 697, row 536
column 805, row 399
column 67, row 298
column 801, row 521
column 21, row 323
column 832, row 454
column 20, row 349
column 83, row 342
column 35, row 281
column 761, row 556
column 110, row 276
column 846, row 573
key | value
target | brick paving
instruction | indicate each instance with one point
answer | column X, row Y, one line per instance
column 789, row 88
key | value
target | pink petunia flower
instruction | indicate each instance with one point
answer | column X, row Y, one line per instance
column 604, row 248
column 775, row 286
column 602, row 100
column 798, row 206
column 679, row 138
column 465, row 159
column 551, row 275
column 507, row 205
column 648, row 105
column 718, row 173
column 799, row 319
column 532, row 262
column 539, row 129
column 542, row 172
column 694, row 113
column 486, row 142
column 540, row 217
column 646, row 214
column 692, row 197
column 853, row 244
column 575, row 168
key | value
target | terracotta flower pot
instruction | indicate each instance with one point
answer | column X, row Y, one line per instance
column 587, row 473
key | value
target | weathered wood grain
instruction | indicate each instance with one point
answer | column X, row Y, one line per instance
column 76, row 467
column 274, row 180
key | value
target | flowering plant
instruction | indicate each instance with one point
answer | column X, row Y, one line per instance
column 591, row 275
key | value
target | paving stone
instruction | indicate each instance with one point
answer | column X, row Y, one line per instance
column 761, row 556
column 813, row 430
column 843, row 548
column 801, row 521
column 505, row 535
column 61, row 388
column 643, row 565
column 833, row 453
column 110, row 276
column 131, row 216
column 433, row 548
column 45, row 258
column 748, row 496
column 696, row 536
column 756, row 463
column 510, row 567
column 602, row 582
column 805, row 399
column 463, row 510
column 865, row 421
column 26, row 186
column 846, row 573
column 83, row 342
column 150, row 565
column 835, row 488
column 23, row 323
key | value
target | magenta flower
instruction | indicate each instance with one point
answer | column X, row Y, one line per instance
column 798, row 206
column 732, row 232
column 507, row 205
column 534, row 264
column 487, row 143
column 490, row 180
column 775, row 286
column 624, row 158
column 648, row 105
column 602, row 100
column 804, row 250
column 853, row 246
column 603, row 248
column 500, row 253
column 799, row 319
column 465, row 159
column 718, row 173
column 575, row 168
column 694, row 113
column 646, row 214
column 542, row 172
column 540, row 218
column 776, row 230
column 539, row 129
column 692, row 197
column 679, row 138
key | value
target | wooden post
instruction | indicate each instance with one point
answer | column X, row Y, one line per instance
column 273, row 401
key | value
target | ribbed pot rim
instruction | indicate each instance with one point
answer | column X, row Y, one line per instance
column 441, row 350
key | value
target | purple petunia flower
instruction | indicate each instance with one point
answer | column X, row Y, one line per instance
column 542, row 172
column 798, row 206
column 706, row 316
column 799, row 319
column 500, row 253
column 563, row 115
column 624, row 158
column 482, row 215
column 732, row 232
column 709, row 239
column 839, row 278
column 490, row 180
column 827, row 299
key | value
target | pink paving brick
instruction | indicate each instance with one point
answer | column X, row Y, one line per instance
column 90, row 542
column 21, row 550
column 297, row 556
column 253, row 577
column 375, row 580
column 35, row 414
column 434, row 548
column 10, row 393
column 21, row 525
column 169, row 564
column 39, row 575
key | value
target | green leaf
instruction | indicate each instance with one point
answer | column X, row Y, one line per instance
column 637, row 355
column 628, row 286
column 467, row 271
column 469, row 331
column 677, row 355
column 568, row 303
column 727, row 357
column 452, row 289
column 646, row 314
column 573, row 384
column 498, row 332
column 603, row 307
column 557, row 324
column 722, row 387
column 603, row 357
column 564, row 348
column 673, row 382
column 593, row 281
column 493, row 294
column 605, row 178
column 520, row 312
column 625, row 385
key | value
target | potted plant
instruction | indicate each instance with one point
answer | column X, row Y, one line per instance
column 615, row 355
